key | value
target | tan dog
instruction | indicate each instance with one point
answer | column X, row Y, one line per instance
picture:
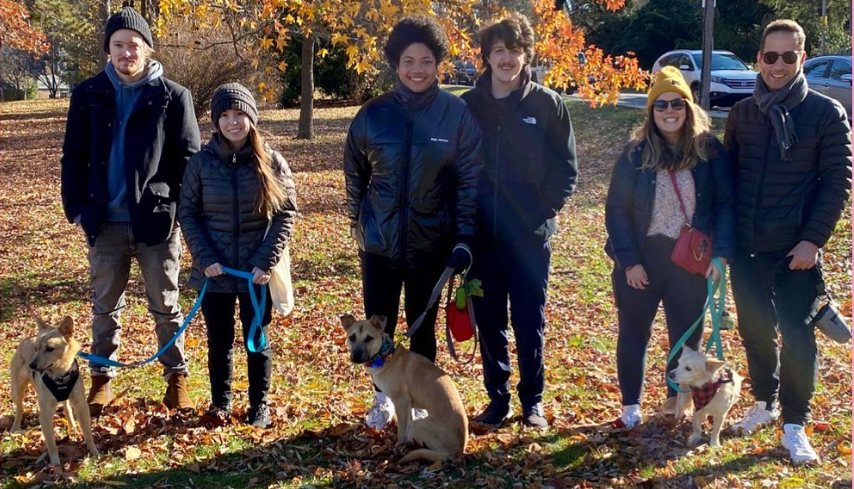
column 48, row 362
column 714, row 391
column 411, row 382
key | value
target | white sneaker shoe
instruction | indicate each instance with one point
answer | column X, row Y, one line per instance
column 796, row 441
column 755, row 418
column 381, row 412
column 419, row 414
column 631, row 416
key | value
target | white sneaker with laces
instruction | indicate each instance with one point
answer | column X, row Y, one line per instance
column 381, row 412
column 631, row 416
column 755, row 418
column 419, row 414
column 795, row 439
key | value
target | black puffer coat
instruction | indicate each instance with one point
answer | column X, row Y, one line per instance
column 411, row 165
column 218, row 218
column 781, row 203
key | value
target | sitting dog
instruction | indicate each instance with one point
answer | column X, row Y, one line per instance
column 47, row 361
column 411, row 382
column 714, row 391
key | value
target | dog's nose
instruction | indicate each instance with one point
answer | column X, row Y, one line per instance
column 671, row 375
column 33, row 365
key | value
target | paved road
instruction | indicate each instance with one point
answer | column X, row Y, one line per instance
column 638, row 101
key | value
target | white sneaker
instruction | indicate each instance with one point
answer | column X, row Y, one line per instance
column 419, row 414
column 755, row 418
column 796, row 441
column 631, row 416
column 381, row 412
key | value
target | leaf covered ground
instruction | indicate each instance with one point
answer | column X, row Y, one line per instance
column 319, row 399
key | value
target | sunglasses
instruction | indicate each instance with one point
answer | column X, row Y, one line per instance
column 676, row 104
column 789, row 57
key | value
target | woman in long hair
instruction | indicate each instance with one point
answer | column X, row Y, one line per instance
column 673, row 157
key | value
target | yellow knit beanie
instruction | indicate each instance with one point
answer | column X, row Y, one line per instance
column 668, row 79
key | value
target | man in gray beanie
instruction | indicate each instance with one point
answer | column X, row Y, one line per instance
column 129, row 135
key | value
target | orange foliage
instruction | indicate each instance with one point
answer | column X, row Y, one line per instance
column 16, row 31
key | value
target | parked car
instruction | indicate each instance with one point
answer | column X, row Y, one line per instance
column 831, row 75
column 464, row 73
column 731, row 78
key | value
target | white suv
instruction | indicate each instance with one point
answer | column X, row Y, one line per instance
column 731, row 80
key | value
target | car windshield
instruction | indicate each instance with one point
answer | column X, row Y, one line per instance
column 721, row 61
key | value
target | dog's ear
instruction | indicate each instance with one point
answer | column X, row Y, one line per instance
column 347, row 320
column 686, row 349
column 379, row 321
column 66, row 327
column 713, row 365
column 41, row 324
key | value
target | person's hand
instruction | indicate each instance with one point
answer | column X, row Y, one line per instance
column 260, row 277
column 214, row 270
column 713, row 271
column 636, row 277
column 460, row 259
column 804, row 256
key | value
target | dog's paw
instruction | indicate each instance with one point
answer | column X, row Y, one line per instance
column 695, row 439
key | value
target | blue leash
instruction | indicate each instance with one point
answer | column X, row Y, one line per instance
column 250, row 342
column 716, row 308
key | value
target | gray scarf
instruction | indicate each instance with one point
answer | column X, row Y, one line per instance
column 776, row 105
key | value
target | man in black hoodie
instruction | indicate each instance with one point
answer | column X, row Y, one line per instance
column 529, row 173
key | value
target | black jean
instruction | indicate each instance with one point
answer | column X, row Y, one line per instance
column 770, row 298
column 683, row 295
column 218, row 309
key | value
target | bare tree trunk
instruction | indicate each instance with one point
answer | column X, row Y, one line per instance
column 103, row 15
column 306, row 109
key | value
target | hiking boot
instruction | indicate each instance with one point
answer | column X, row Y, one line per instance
column 381, row 412
column 533, row 416
column 795, row 439
column 494, row 415
column 217, row 414
column 177, row 396
column 99, row 395
column 632, row 416
column 259, row 416
column 755, row 418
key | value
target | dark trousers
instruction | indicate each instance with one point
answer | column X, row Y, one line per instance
column 517, row 272
column 683, row 295
column 218, row 309
column 381, row 285
column 768, row 297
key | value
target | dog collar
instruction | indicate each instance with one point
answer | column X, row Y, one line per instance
column 703, row 395
column 61, row 387
column 383, row 356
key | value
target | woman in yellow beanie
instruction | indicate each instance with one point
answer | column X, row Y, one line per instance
column 672, row 149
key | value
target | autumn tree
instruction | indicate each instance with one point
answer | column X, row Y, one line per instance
column 17, row 32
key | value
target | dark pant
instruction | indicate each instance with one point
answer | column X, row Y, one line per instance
column 218, row 309
column 683, row 295
column 382, row 283
column 769, row 296
column 519, row 272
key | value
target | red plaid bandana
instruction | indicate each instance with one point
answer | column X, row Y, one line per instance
column 703, row 395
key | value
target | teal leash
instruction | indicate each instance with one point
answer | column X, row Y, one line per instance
column 716, row 309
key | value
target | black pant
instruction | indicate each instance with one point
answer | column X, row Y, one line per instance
column 516, row 272
column 768, row 297
column 382, row 283
column 683, row 294
column 218, row 309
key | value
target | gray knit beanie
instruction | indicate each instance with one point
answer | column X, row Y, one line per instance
column 233, row 96
column 128, row 18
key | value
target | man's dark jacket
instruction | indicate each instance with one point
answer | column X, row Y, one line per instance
column 631, row 196
column 161, row 136
column 781, row 203
column 530, row 168
column 411, row 163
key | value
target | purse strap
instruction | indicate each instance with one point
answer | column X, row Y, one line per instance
column 679, row 196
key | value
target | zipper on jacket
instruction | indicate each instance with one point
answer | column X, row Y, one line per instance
column 236, row 208
column 495, row 187
column 404, row 195
column 759, row 193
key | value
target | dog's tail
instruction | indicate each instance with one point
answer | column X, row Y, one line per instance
column 424, row 454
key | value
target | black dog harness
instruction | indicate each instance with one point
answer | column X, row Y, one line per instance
column 61, row 387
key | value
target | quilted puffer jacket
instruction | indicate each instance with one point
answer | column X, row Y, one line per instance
column 218, row 219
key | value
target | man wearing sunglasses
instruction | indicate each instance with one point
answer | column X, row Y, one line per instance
column 792, row 148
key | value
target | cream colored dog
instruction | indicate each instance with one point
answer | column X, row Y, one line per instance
column 47, row 361
column 411, row 382
column 714, row 391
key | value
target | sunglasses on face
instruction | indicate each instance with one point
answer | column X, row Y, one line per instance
column 789, row 57
column 676, row 104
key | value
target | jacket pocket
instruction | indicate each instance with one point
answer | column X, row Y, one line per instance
column 369, row 237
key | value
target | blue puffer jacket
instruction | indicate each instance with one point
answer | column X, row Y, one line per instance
column 628, row 209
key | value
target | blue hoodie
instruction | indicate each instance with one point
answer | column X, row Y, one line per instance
column 127, row 94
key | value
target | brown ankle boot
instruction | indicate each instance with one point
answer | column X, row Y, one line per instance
column 177, row 396
column 99, row 395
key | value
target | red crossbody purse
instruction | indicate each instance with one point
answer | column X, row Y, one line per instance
column 693, row 250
